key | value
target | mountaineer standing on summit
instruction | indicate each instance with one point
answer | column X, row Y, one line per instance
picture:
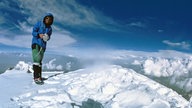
column 41, row 34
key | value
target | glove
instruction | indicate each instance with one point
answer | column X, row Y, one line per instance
column 45, row 37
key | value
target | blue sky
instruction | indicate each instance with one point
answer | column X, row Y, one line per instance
column 146, row 25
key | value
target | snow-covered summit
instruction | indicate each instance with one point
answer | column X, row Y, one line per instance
column 109, row 85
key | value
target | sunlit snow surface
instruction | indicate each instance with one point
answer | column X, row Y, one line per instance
column 110, row 85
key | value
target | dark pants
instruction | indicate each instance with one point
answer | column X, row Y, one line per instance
column 37, row 54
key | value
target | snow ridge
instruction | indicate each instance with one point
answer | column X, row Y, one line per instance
column 110, row 85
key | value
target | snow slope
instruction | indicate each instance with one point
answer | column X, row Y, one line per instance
column 108, row 86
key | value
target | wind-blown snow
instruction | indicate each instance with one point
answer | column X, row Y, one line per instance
column 109, row 85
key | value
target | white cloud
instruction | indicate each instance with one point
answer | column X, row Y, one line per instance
column 60, row 40
column 25, row 27
column 57, row 41
column 66, row 12
column 22, row 41
column 183, row 45
column 2, row 20
column 137, row 24
column 108, row 54
column 160, row 31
